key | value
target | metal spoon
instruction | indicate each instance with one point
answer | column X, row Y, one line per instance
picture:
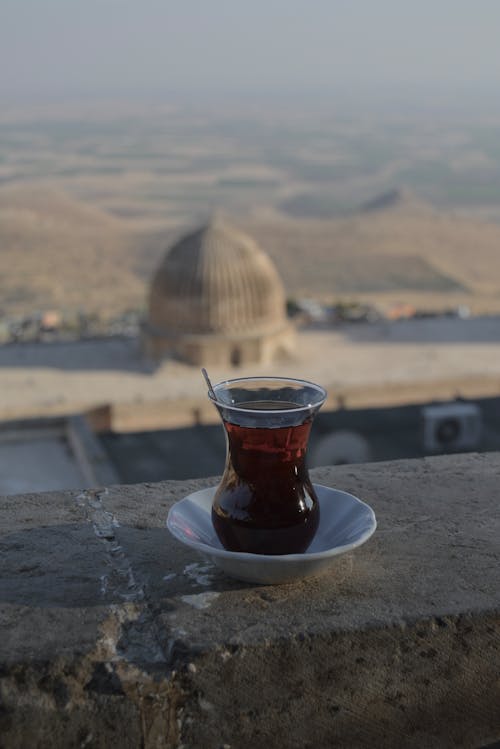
column 209, row 384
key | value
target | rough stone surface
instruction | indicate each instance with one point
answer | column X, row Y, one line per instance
column 113, row 634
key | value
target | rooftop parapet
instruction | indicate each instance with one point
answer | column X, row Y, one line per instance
column 113, row 634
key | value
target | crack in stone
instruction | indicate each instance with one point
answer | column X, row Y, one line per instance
column 130, row 643
column 104, row 522
column 119, row 580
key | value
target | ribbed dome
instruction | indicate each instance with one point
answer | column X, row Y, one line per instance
column 216, row 281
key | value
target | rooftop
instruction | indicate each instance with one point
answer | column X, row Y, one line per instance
column 338, row 436
column 366, row 364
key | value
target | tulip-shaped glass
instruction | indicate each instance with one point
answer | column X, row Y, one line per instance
column 265, row 502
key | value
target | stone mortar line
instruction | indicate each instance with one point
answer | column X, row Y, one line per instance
column 130, row 637
column 130, row 649
column 120, row 579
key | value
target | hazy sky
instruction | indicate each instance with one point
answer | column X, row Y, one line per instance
column 117, row 47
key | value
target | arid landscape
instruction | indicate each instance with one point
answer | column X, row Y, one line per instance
column 385, row 211
column 349, row 210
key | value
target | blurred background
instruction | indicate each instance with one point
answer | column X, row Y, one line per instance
column 307, row 189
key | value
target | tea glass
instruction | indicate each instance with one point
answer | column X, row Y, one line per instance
column 265, row 502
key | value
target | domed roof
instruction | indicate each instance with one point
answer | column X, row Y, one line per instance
column 216, row 280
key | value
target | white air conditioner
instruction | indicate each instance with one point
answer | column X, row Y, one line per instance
column 451, row 426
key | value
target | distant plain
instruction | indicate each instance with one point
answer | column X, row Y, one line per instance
column 386, row 210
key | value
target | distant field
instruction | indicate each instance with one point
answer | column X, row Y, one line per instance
column 90, row 201
column 170, row 164
column 381, row 273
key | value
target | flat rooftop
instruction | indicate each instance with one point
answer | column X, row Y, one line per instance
column 359, row 361
column 38, row 464
column 51, row 454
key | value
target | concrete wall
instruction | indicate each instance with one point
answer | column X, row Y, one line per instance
column 113, row 634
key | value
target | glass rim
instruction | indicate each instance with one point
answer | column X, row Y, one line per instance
column 262, row 378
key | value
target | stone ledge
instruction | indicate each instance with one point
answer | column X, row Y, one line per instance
column 113, row 634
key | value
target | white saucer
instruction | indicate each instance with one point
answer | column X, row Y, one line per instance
column 345, row 523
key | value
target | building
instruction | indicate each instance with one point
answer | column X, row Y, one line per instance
column 341, row 436
column 217, row 299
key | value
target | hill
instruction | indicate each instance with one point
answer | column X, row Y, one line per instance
column 394, row 244
column 57, row 251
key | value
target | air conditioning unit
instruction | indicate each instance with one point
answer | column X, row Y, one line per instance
column 451, row 427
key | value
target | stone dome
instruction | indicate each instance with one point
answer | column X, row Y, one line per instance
column 214, row 283
column 216, row 280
